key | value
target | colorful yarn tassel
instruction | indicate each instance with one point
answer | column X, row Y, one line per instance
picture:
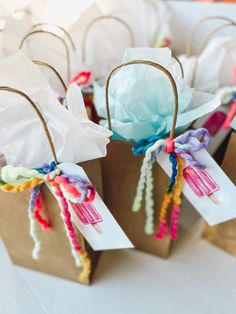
column 173, row 194
column 33, row 228
column 37, row 210
column 66, row 188
column 180, row 150
column 174, row 220
column 167, row 198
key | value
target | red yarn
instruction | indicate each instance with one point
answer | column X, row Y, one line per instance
column 81, row 78
column 38, row 208
column 67, row 218
column 174, row 221
column 67, row 186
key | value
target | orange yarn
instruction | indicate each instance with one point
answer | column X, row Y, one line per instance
column 179, row 183
column 164, row 207
column 20, row 188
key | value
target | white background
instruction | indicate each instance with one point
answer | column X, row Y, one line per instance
column 198, row 278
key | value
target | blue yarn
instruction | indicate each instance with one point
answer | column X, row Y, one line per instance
column 46, row 168
column 173, row 160
column 52, row 166
column 142, row 146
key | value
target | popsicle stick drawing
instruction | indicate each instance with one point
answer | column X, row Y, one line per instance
column 201, row 183
column 87, row 214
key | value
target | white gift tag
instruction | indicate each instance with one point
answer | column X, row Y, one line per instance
column 211, row 192
column 94, row 220
column 233, row 124
column 213, row 122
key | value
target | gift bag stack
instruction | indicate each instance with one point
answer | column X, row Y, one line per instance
column 105, row 132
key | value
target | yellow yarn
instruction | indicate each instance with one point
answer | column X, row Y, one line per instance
column 179, row 182
column 20, row 188
column 164, row 206
column 86, row 262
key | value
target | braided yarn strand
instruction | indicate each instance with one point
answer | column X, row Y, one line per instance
column 38, row 208
column 149, row 208
column 143, row 174
column 33, row 228
column 21, row 188
column 79, row 255
column 167, row 199
column 174, row 220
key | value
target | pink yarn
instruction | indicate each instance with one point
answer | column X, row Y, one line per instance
column 174, row 221
column 162, row 230
column 67, row 219
column 67, row 186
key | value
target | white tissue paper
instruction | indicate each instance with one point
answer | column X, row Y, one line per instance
column 106, row 40
column 213, row 68
column 141, row 100
column 23, row 140
column 157, row 31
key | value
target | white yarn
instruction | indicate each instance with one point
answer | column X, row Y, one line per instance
column 149, row 208
column 146, row 169
column 34, row 234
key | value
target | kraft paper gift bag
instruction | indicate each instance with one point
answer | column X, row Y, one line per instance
column 110, row 27
column 55, row 258
column 41, row 41
column 71, row 137
column 210, row 70
column 134, row 115
column 224, row 234
column 210, row 67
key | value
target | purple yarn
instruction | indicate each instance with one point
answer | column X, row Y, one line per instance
column 34, row 193
column 201, row 133
column 192, row 147
column 186, row 150
column 81, row 183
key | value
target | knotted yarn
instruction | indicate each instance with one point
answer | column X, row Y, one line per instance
column 180, row 152
column 67, row 188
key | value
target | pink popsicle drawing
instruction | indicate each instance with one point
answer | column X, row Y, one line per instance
column 87, row 214
column 201, row 183
column 215, row 122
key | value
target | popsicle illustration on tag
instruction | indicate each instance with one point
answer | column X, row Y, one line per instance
column 215, row 122
column 87, row 214
column 201, row 183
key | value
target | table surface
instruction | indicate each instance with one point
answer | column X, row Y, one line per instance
column 197, row 278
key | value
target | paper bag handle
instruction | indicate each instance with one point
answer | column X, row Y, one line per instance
column 189, row 46
column 210, row 34
column 158, row 67
column 60, row 28
column 36, row 109
column 42, row 63
column 204, row 43
column 55, row 36
column 98, row 19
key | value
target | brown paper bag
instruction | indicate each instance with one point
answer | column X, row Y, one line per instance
column 224, row 234
column 55, row 256
column 120, row 173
